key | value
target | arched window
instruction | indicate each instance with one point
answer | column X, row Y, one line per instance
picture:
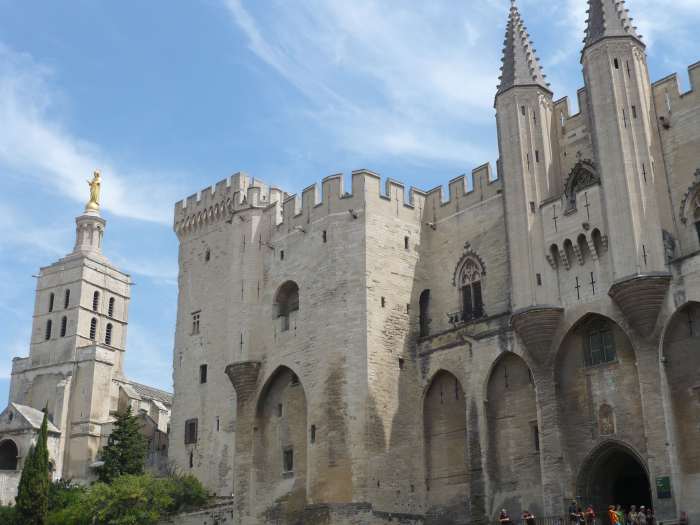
column 600, row 344
column 66, row 299
column 8, row 455
column 583, row 248
column 93, row 328
column 424, row 318
column 95, row 301
column 51, row 298
column 108, row 334
column 582, row 176
column 287, row 301
column 470, row 288
column 47, row 333
column 569, row 250
column 64, row 325
column 110, row 309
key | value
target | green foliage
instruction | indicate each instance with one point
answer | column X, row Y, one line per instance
column 8, row 516
column 32, row 502
column 131, row 500
column 64, row 493
column 125, row 451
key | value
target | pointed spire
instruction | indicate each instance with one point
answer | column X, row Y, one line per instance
column 521, row 67
column 608, row 18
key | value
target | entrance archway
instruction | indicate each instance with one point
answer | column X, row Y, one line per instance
column 614, row 475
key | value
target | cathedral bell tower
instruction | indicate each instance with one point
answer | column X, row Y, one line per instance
column 524, row 115
column 619, row 100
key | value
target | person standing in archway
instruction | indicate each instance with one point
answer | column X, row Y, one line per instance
column 632, row 516
column 642, row 516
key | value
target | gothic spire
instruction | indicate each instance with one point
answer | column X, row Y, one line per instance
column 521, row 67
column 608, row 18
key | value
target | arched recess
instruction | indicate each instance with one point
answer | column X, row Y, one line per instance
column 613, row 473
column 9, row 454
column 514, row 451
column 681, row 350
column 280, row 447
column 287, row 304
column 445, row 435
column 597, row 388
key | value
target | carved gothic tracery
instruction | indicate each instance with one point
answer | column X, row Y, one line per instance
column 583, row 175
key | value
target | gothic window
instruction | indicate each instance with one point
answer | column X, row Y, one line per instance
column 64, row 325
column 600, row 344
column 51, row 298
column 66, row 299
column 110, row 309
column 47, row 332
column 287, row 301
column 95, row 301
column 108, row 334
column 93, row 328
column 470, row 289
column 582, row 176
column 424, row 318
column 190, row 431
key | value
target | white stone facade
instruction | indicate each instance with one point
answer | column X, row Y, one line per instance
column 75, row 363
column 337, row 390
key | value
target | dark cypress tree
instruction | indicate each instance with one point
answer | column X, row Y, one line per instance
column 32, row 502
column 125, row 451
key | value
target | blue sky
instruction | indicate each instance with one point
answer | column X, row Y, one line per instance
column 169, row 97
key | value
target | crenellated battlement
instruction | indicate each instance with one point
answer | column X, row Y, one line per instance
column 669, row 97
column 240, row 192
column 215, row 203
column 463, row 191
column 562, row 111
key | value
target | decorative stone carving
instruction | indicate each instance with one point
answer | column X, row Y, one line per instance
column 640, row 298
column 476, row 263
column 691, row 200
column 536, row 325
column 582, row 175
column 606, row 420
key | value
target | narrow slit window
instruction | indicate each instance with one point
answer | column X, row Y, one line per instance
column 522, row 110
column 325, row 236
column 110, row 308
column 95, row 301
column 537, row 156
column 288, row 460
column 281, row 255
column 93, row 328
column 312, row 434
column 405, row 242
column 66, row 299
column 64, row 325
column 108, row 334
column 51, row 298
column 383, row 301
column 202, row 374
column 634, row 111
column 47, row 332
column 617, row 63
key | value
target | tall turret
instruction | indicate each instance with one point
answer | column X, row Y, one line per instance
column 524, row 115
column 619, row 103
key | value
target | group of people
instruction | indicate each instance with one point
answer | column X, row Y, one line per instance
column 579, row 516
column 643, row 516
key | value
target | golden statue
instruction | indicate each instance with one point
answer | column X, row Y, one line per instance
column 94, row 202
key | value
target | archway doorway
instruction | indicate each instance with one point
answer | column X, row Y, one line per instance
column 614, row 475
column 8, row 455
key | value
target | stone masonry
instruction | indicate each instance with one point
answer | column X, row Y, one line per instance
column 371, row 354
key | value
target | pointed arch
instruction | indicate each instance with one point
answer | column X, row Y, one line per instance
column 583, row 175
column 468, row 278
column 680, row 348
column 513, row 458
column 280, row 442
column 445, row 444
column 595, row 365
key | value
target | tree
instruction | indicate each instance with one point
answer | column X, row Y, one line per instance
column 125, row 451
column 32, row 501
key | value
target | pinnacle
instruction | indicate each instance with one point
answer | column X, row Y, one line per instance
column 521, row 67
column 608, row 18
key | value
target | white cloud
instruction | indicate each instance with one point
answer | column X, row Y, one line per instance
column 383, row 77
column 36, row 146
